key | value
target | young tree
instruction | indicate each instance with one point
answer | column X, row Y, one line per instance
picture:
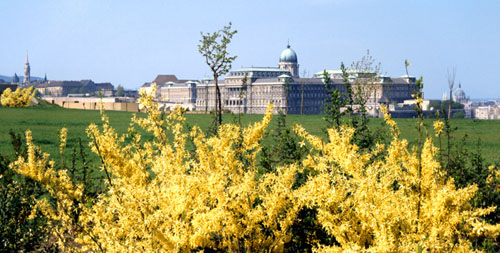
column 359, row 89
column 285, row 148
column 333, row 103
column 213, row 46
column 365, row 82
column 119, row 91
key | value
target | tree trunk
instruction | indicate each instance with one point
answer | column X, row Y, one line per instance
column 218, row 101
column 449, row 106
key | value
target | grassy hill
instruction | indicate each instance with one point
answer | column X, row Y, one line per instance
column 45, row 121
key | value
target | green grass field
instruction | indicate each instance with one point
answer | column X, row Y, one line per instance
column 45, row 122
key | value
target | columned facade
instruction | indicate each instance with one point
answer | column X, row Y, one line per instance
column 250, row 90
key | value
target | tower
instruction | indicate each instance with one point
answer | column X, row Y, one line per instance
column 288, row 61
column 27, row 69
column 15, row 78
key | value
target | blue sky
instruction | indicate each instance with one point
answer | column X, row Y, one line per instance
column 130, row 42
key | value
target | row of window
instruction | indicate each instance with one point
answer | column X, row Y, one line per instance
column 258, row 73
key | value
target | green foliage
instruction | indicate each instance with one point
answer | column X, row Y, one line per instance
column 363, row 137
column 465, row 163
column 17, row 198
column 119, row 91
column 333, row 103
column 435, row 104
column 285, row 148
column 458, row 115
column 307, row 232
column 445, row 106
column 18, row 231
column 467, row 166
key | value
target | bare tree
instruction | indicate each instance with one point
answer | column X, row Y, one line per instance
column 451, row 83
column 365, row 83
column 213, row 46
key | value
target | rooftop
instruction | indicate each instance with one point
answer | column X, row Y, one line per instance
column 252, row 69
column 160, row 79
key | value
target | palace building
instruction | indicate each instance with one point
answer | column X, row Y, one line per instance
column 250, row 90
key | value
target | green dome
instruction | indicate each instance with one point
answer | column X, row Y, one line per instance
column 459, row 93
column 288, row 55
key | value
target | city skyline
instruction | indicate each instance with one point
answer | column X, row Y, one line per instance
column 130, row 42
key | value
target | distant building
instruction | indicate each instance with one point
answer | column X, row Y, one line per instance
column 444, row 97
column 130, row 93
column 179, row 93
column 280, row 85
column 487, row 112
column 81, row 88
column 460, row 95
column 172, row 91
column 292, row 94
column 62, row 88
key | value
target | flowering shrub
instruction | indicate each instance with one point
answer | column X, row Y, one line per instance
column 160, row 197
column 18, row 98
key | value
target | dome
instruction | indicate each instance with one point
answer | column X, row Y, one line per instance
column 288, row 55
column 459, row 93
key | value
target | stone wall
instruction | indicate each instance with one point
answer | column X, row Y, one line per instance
column 94, row 105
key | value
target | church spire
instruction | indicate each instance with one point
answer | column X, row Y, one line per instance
column 15, row 78
column 27, row 69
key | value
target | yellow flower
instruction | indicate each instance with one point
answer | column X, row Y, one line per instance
column 62, row 139
column 160, row 197
column 18, row 98
column 438, row 127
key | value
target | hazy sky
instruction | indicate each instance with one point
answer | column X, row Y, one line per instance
column 130, row 42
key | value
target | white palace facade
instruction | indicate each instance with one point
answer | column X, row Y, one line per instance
column 283, row 87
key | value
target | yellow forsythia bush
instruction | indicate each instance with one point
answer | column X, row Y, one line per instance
column 160, row 197
column 18, row 98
